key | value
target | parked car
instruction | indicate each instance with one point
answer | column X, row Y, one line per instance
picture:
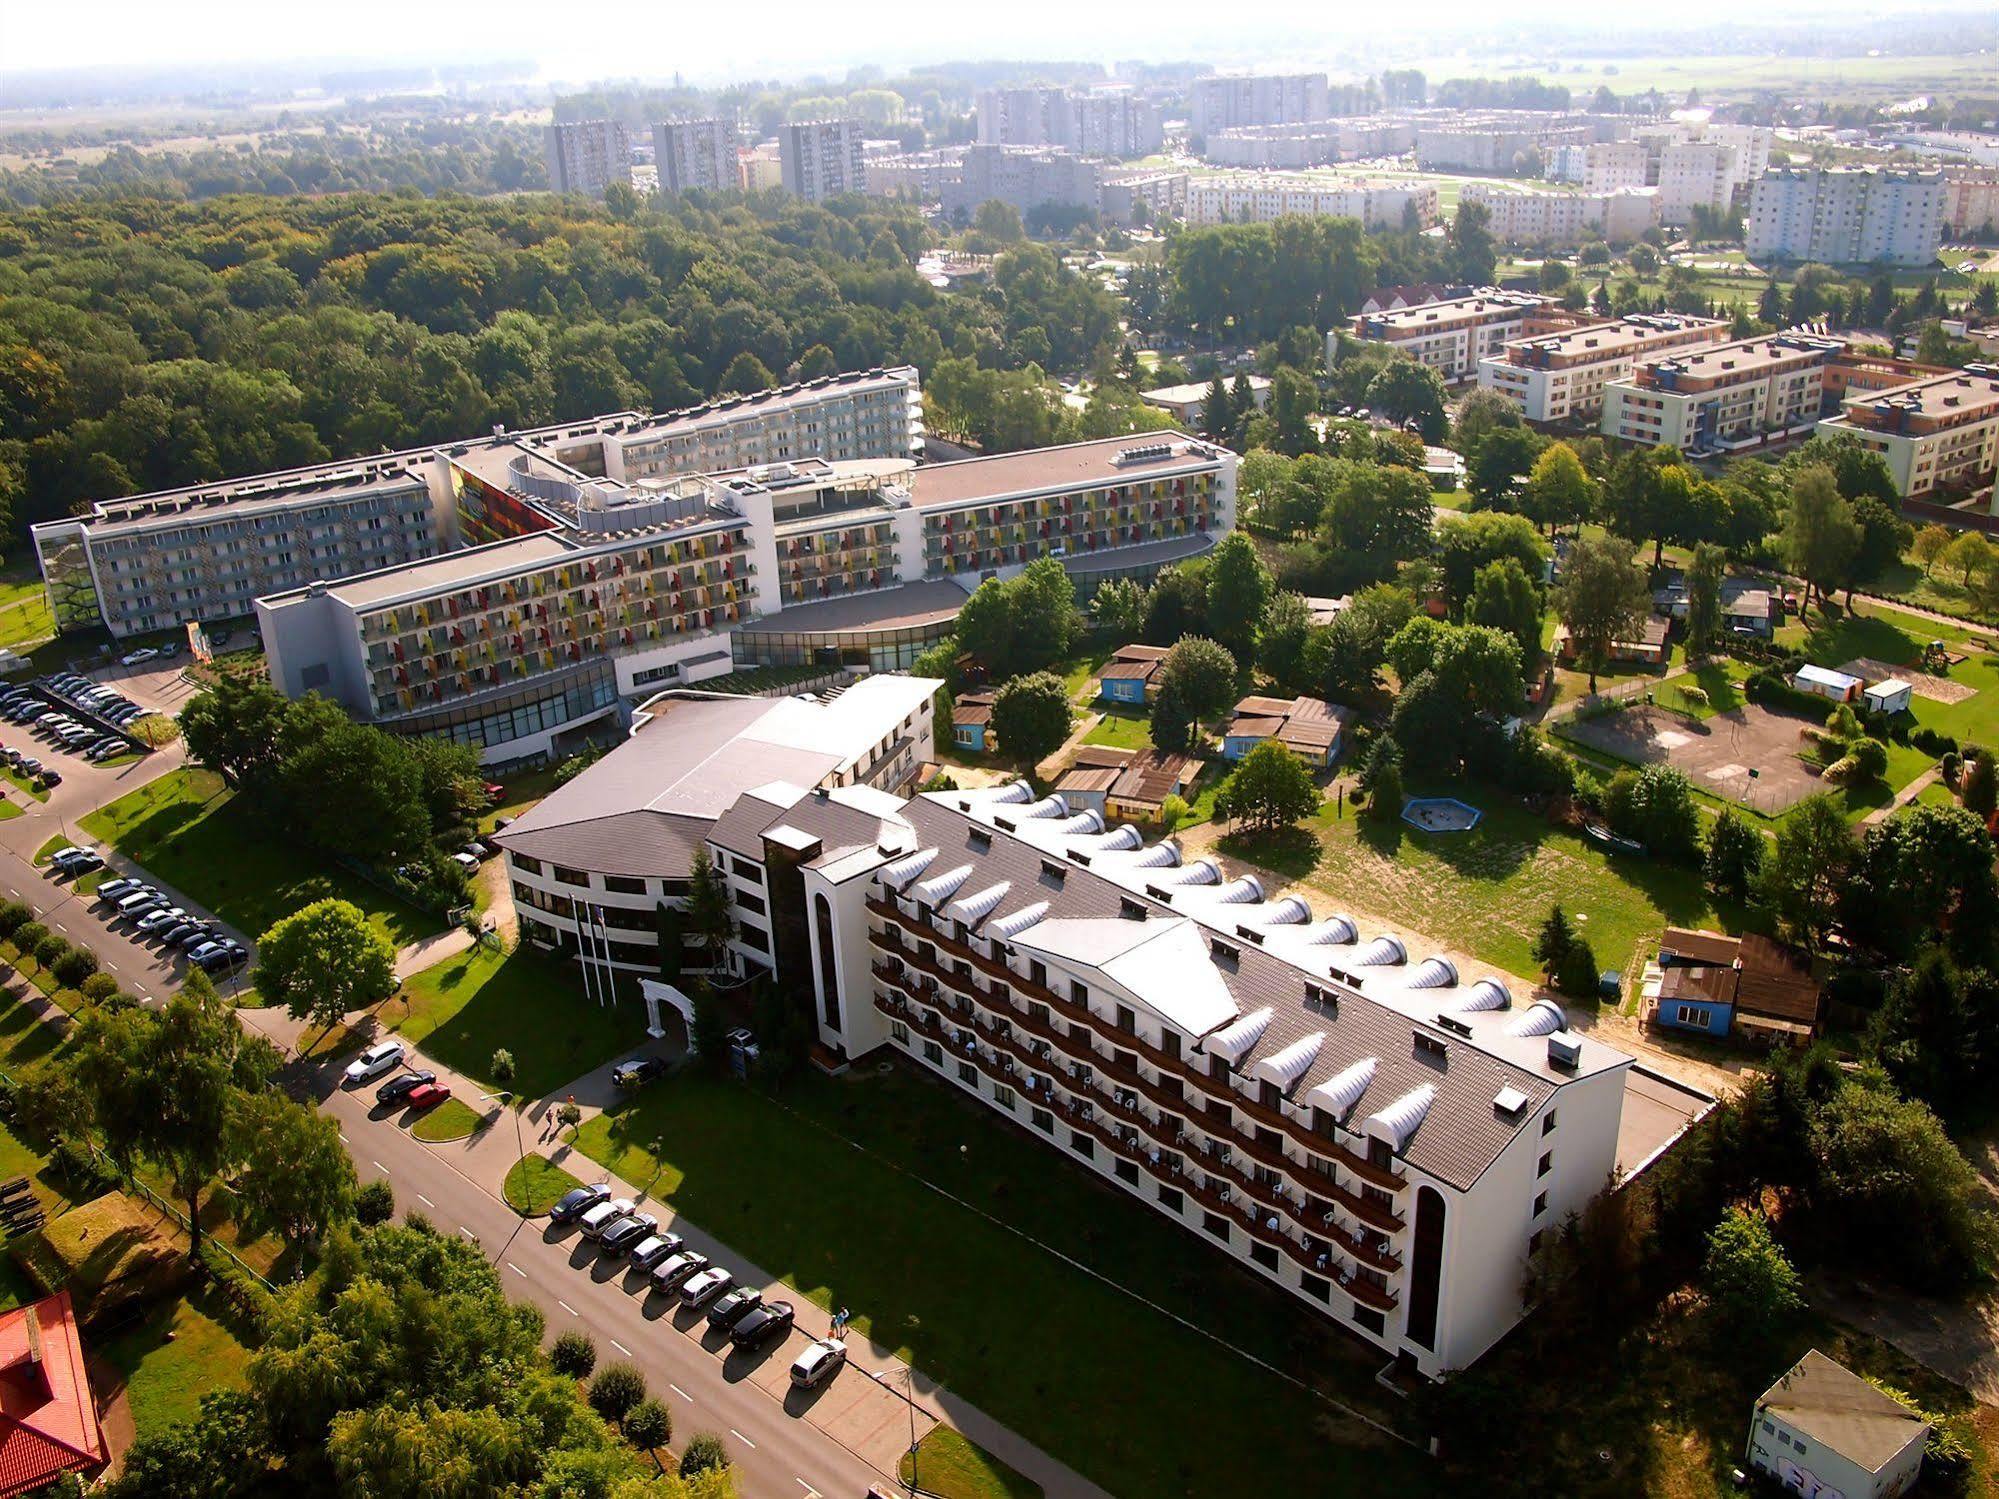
column 171, row 936
column 604, row 1215
column 766, row 1324
column 226, row 958
column 138, row 903
column 162, row 918
column 735, row 1306
column 74, row 860
column 426, row 1096
column 401, row 1085
column 51, row 778
column 375, row 1061
column 197, row 934
column 495, row 792
column 626, row 1234
column 820, row 1361
column 139, row 657
column 653, row 1248
column 110, row 890
column 670, row 1272
column 574, row 1203
column 706, row 1286
column 201, row 950
column 466, row 862
column 638, row 1071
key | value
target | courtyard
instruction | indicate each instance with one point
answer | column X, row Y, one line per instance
column 1748, row 754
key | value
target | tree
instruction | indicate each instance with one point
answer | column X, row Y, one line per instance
column 1504, row 459
column 1467, row 544
column 1555, row 938
column 1704, row 598
column 1217, row 411
column 323, row 962
column 617, row 1391
column 1176, row 604
column 1271, row 788
column 1937, row 1030
column 707, row 913
column 1924, row 869
column 1202, row 675
column 1734, row 855
column 1381, row 779
column 1968, row 556
column 374, row 1204
column 1239, row 590
column 1602, row 598
column 1481, row 412
column 1559, row 491
column 1031, row 716
column 649, row 1425
column 1173, row 726
column 1022, row 624
column 1505, row 598
column 1287, row 626
column 1293, row 398
column 573, row 1354
column 1821, row 536
column 746, row 374
column 1578, row 975
column 1929, row 544
column 1381, row 514
column 296, row 1178
column 1118, row 607
column 1748, row 1278
column 1805, row 870
column 232, row 729
column 1655, row 805
column 1408, row 391
column 704, row 1453
column 1979, row 790
column 1884, row 536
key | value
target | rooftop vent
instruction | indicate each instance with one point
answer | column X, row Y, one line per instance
column 1565, row 1051
column 1510, row 1101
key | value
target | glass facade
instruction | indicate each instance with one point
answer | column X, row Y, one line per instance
column 545, row 705
column 881, row 650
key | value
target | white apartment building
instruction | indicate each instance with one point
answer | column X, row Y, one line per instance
column 1610, row 165
column 587, row 156
column 1560, row 377
column 1161, row 195
column 1023, row 116
column 1847, row 215
column 1453, row 335
column 1752, row 144
column 1226, row 103
column 1564, row 218
column 698, row 154
column 1101, row 122
column 1259, row 199
column 919, row 176
column 1971, row 202
column 1724, row 397
column 821, row 159
column 1697, row 174
column 1310, row 143
column 1938, row 435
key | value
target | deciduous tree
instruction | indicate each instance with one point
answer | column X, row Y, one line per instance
column 323, row 962
column 1602, row 598
column 1031, row 716
column 296, row 1178
column 1270, row 788
column 1505, row 598
column 1239, row 590
column 1821, row 536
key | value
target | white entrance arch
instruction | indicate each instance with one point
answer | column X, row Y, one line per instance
column 657, row 994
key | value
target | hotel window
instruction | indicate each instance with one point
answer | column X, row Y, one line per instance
column 1368, row 1318
column 1003, row 1096
column 1540, row 1204
column 1264, row 1255
column 967, row 1076
column 624, row 884
column 1082, row 1144
column 899, row 1031
column 571, row 877
column 1170, row 1199
column 1217, row 1225
column 933, row 1053
column 1547, row 1161
column 1127, row 1171
column 526, row 865
column 1043, row 1120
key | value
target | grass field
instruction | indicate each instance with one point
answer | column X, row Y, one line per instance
column 535, row 1184
column 463, row 1009
column 950, row 1465
column 1122, row 728
column 1034, row 1341
column 454, row 1119
column 169, row 1359
column 187, row 829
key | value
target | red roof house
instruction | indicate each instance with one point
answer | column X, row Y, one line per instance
column 48, row 1418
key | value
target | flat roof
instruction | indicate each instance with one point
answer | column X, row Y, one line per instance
column 910, row 606
column 1614, row 339
column 1970, row 389
column 1425, row 316
column 1196, row 390
column 1741, row 358
column 1657, row 1111
column 254, row 494
column 497, row 559
column 1075, row 465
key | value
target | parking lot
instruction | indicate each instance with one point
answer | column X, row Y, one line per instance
column 1718, row 753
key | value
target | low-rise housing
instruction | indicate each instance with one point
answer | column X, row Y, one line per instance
column 1561, row 376
column 1751, row 985
column 1130, row 676
column 972, row 722
column 1648, row 646
column 1188, row 404
column 1311, row 728
column 1823, row 1430
column 1128, row 785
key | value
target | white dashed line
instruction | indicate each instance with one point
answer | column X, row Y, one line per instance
column 810, row 1491
column 379, row 1167
column 425, row 1200
column 743, row 1439
column 681, row 1393
column 343, row 1139
column 565, row 1306
column 517, row 1270
column 621, row 1348
column 468, row 1233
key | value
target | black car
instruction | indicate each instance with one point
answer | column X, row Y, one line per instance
column 197, row 933
column 733, row 1307
column 626, row 1233
column 766, row 1324
column 401, row 1086
column 172, row 936
column 223, row 959
column 638, row 1071
column 578, row 1201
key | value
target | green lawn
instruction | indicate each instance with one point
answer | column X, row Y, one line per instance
column 1123, row 729
column 187, row 829
column 453, row 1119
column 1080, row 670
column 24, row 608
column 468, row 1006
column 535, row 1184
column 1486, row 892
column 1034, row 1341
column 169, row 1359
column 1721, row 679
column 522, row 792
column 949, row 1464
column 22, row 783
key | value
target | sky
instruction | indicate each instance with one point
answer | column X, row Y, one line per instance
column 582, row 40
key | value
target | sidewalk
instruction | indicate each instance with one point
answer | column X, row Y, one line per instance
column 1903, row 797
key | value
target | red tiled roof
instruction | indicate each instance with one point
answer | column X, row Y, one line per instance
column 48, row 1418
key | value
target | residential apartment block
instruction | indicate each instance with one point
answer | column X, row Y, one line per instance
column 1527, row 217
column 698, row 154
column 1971, row 202
column 1938, row 435
column 1216, row 104
column 1561, row 376
column 1452, row 336
column 1697, row 174
column 1259, row 198
column 820, row 159
column 1310, row 143
column 1847, row 215
column 1035, row 116
column 1724, row 397
column 587, row 156
column 1610, row 165
column 1026, row 177
column 1101, row 122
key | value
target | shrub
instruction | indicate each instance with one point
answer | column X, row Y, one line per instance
column 573, row 1354
column 1748, row 1277
column 649, row 1425
column 51, row 949
column 99, row 988
column 27, row 938
column 14, row 915
column 617, row 1391
column 374, row 1203
column 250, row 1303
column 76, row 966
column 1872, row 756
column 704, row 1452
column 1172, row 810
column 1577, row 975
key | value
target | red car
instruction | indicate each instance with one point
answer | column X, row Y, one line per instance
column 495, row 792
column 427, row 1096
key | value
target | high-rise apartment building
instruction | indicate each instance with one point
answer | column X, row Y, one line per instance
column 1026, row 177
column 1023, row 117
column 1259, row 198
column 1697, row 174
column 1847, row 215
column 587, row 156
column 1103, row 122
column 698, row 154
column 1610, row 165
column 1531, row 217
column 1971, row 201
column 821, row 159
column 1216, row 104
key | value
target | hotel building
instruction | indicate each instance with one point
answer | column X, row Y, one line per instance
column 1561, row 376
column 1723, row 397
column 1386, row 1141
column 698, row 154
column 1452, row 336
column 1936, row 434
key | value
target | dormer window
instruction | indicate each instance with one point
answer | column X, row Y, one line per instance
column 980, row 840
column 1222, row 952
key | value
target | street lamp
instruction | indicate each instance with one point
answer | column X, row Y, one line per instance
column 909, row 1399
column 521, row 1147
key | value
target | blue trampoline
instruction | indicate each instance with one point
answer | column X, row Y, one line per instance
column 1440, row 814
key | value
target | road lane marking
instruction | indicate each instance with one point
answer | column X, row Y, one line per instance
column 343, row 1139
column 468, row 1233
column 517, row 1270
column 680, row 1392
column 743, row 1439
column 811, row 1492
column 425, row 1200
column 379, row 1167
column 621, row 1348
column 565, row 1306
